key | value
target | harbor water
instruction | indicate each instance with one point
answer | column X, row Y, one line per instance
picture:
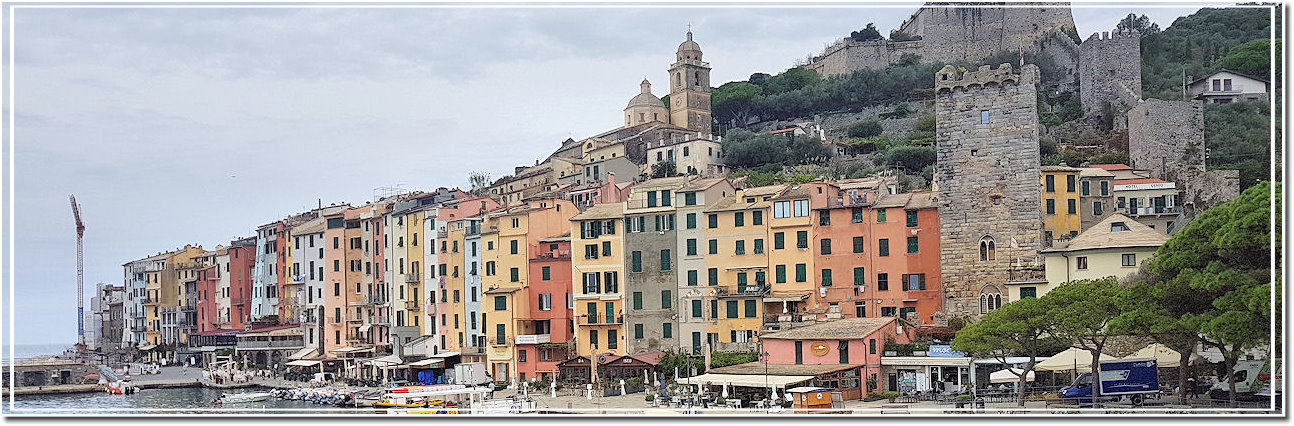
column 164, row 401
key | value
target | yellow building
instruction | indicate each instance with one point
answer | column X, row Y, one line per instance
column 597, row 265
column 1115, row 247
column 1061, row 216
column 737, row 265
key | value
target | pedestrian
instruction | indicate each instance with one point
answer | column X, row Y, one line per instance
column 1191, row 391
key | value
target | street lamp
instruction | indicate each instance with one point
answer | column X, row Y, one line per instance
column 764, row 356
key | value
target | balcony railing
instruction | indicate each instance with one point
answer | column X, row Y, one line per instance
column 412, row 305
column 375, row 299
column 533, row 339
column 560, row 254
column 412, row 278
column 379, row 320
column 1026, row 275
column 1149, row 211
column 747, row 291
column 847, row 201
column 602, row 320
column 255, row 344
column 431, row 308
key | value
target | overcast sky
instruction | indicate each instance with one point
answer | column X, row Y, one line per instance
column 195, row 125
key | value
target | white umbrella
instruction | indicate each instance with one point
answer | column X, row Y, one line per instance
column 553, row 388
column 675, row 374
column 1165, row 357
column 622, row 387
column 773, row 390
column 1069, row 360
column 725, row 391
column 1009, row 376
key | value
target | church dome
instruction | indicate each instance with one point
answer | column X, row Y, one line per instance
column 645, row 98
column 689, row 48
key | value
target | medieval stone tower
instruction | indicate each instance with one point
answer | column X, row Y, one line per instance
column 987, row 175
column 689, row 89
column 1109, row 75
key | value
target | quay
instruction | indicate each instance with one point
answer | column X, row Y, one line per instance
column 167, row 378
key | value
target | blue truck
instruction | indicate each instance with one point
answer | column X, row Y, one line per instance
column 1132, row 378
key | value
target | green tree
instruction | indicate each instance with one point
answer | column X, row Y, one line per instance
column 1191, row 45
column 1016, row 329
column 1163, row 312
column 868, row 33
column 664, row 169
column 1081, row 313
column 790, row 80
column 1140, row 24
column 865, row 129
column 1252, row 58
column 911, row 159
column 686, row 365
column 1238, row 136
column 1218, row 269
column 734, row 102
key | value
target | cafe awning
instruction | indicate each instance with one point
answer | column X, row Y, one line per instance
column 428, row 363
column 742, row 380
column 386, row 360
column 301, row 353
column 303, row 363
column 364, row 328
column 350, row 349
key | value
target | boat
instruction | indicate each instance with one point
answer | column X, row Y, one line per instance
column 516, row 404
column 445, row 398
column 240, row 398
column 120, row 387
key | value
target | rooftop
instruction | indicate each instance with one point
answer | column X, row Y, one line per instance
column 1094, row 172
column 1104, row 235
column 758, row 368
column 1110, row 167
column 842, row 329
column 602, row 211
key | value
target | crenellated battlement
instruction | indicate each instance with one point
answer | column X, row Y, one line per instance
column 1116, row 35
column 951, row 78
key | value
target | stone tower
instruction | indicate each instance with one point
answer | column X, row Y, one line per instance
column 689, row 93
column 1109, row 73
column 645, row 107
column 987, row 167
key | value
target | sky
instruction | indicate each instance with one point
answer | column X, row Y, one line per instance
column 177, row 126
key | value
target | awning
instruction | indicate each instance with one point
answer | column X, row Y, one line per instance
column 350, row 349
column 749, row 381
column 386, row 360
column 303, row 363
column 785, row 299
column 428, row 363
column 301, row 353
column 364, row 328
column 147, row 347
column 923, row 361
column 1010, row 375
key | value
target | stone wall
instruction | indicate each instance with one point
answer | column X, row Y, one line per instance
column 1110, row 74
column 988, row 178
column 1167, row 138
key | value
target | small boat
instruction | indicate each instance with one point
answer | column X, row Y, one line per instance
column 439, row 397
column 120, row 387
column 239, row 398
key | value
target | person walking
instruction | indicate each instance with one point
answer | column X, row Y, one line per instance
column 1191, row 390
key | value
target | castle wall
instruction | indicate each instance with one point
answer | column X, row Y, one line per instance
column 1167, row 138
column 988, row 178
column 1110, row 74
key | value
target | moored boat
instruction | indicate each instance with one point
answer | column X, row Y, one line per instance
column 239, row 398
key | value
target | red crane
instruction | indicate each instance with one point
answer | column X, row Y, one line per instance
column 80, row 274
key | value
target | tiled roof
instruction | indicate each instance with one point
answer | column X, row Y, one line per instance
column 1094, row 172
column 602, row 211
column 1138, row 181
column 758, row 368
column 700, row 184
column 842, row 329
column 1058, row 169
column 1110, row 167
column 1101, row 236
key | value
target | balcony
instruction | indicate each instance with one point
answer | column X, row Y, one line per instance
column 1019, row 275
column 848, row 201
column 150, row 301
column 359, row 340
column 1149, row 211
column 431, row 308
column 533, row 339
column 310, row 319
column 267, row 344
column 376, row 299
column 379, row 320
column 601, row 320
column 560, row 254
column 412, row 278
column 747, row 291
column 442, row 234
column 412, row 305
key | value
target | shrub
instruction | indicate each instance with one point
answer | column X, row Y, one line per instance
column 866, row 129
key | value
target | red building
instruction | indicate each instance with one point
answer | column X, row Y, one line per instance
column 550, row 312
column 242, row 262
column 842, row 354
column 208, row 285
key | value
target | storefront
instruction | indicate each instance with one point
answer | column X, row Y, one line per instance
column 908, row 374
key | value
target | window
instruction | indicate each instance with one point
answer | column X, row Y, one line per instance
column 880, row 216
column 825, row 245
column 713, row 220
column 801, row 208
column 691, row 221
column 801, row 272
column 714, row 246
column 1069, row 183
column 871, row 346
column 667, row 330
column 983, row 117
column 513, row 246
column 691, row 246
column 1028, row 292
column 913, row 282
column 802, row 239
column 740, row 248
column 593, row 337
column 606, row 249
column 637, row 261
column 545, row 302
column 515, row 275
column 1129, row 259
column 889, row 311
column 638, row 331
column 696, row 309
column 912, row 245
column 714, row 309
column 1105, row 188
column 1082, row 262
column 692, row 278
column 883, row 246
column 732, row 309
column 1087, row 188
column 779, row 273
column 689, row 199
column 500, row 303
column 665, row 198
column 752, row 307
column 546, row 272
column 1051, row 206
column 590, row 252
column 1097, row 208
column 664, row 260
column 666, row 300
column 781, row 209
column 858, row 244
column 757, row 217
column 712, row 276
column 856, row 215
column 1051, row 183
column 638, row 300
column 759, row 246
column 651, row 195
column 860, row 309
column 987, row 249
column 779, row 240
column 912, row 218
column 824, row 217
column 860, row 276
column 989, row 302
column 882, row 281
column 826, row 278
column 1072, row 206
column 739, row 219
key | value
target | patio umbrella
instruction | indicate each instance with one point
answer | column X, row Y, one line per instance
column 773, row 390
column 646, row 380
column 1165, row 357
column 552, row 388
column 725, row 391
column 1072, row 359
column 675, row 374
column 622, row 387
column 1009, row 376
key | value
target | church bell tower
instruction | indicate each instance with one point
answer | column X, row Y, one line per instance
column 689, row 93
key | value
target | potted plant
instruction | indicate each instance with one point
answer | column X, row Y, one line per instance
column 962, row 400
column 651, row 399
column 721, row 401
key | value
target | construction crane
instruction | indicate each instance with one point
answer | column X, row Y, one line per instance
column 80, row 274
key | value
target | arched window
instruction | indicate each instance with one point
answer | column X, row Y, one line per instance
column 678, row 79
column 987, row 249
column 698, row 78
column 990, row 299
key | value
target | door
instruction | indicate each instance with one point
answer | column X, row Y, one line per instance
column 696, row 342
column 799, row 352
column 893, row 382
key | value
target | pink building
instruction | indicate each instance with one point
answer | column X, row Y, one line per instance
column 854, row 345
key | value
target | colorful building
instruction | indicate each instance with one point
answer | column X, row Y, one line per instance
column 737, row 255
column 1116, row 247
column 692, row 294
column 597, row 263
column 1060, row 202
